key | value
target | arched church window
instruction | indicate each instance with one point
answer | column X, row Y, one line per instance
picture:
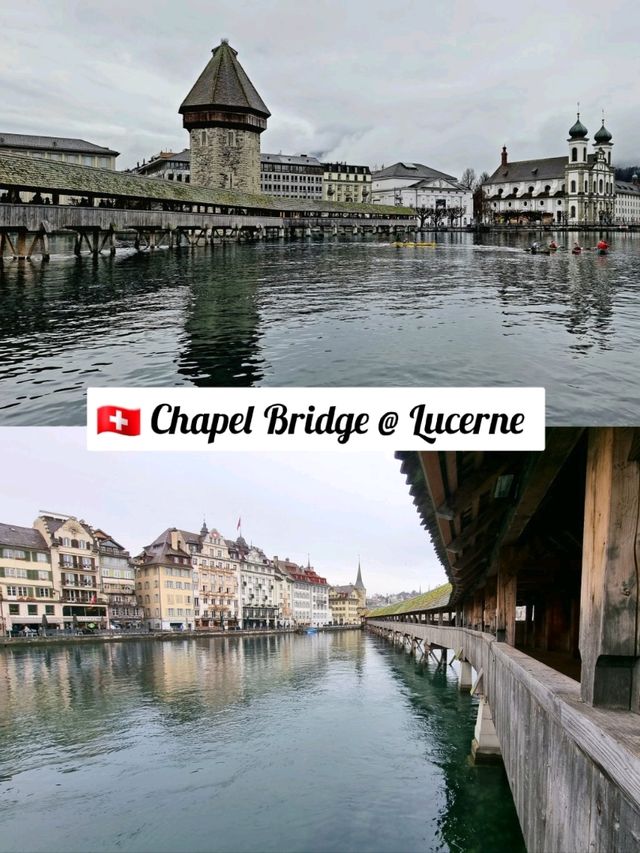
column 574, row 155
column 601, row 185
column 547, row 189
column 609, row 157
column 573, row 211
column 584, row 154
column 530, row 190
column 515, row 190
column 573, row 186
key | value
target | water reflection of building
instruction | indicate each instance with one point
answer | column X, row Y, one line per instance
column 222, row 338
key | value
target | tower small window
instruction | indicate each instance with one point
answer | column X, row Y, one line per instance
column 573, row 211
column 203, row 137
column 574, row 155
column 573, row 186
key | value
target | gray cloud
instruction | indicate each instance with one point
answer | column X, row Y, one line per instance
column 332, row 506
column 443, row 83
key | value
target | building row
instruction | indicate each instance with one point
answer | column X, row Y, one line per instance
column 64, row 574
column 282, row 175
column 225, row 116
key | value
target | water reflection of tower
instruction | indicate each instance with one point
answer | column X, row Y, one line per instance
column 221, row 330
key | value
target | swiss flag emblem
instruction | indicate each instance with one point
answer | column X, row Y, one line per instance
column 118, row 420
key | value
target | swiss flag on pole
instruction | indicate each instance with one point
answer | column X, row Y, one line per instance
column 118, row 420
column 239, row 524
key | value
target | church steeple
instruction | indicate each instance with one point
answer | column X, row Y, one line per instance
column 204, row 530
column 359, row 584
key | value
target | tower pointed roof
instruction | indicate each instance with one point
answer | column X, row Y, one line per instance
column 359, row 584
column 224, row 84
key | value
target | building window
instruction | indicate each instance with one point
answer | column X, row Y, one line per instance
column 573, row 186
column 32, row 609
column 48, row 609
column 574, row 155
column 14, row 610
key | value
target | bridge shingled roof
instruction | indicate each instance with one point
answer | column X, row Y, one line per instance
column 435, row 599
column 31, row 174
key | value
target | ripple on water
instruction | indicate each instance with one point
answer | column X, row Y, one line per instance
column 330, row 313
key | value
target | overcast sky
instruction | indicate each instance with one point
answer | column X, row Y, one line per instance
column 333, row 506
column 442, row 83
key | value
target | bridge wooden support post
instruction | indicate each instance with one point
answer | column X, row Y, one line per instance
column 465, row 681
column 506, row 605
column 41, row 242
column 485, row 746
column 609, row 625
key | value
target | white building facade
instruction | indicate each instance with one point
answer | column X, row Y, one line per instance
column 627, row 205
column 424, row 189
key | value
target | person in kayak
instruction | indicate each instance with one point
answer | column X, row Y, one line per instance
column 577, row 248
column 602, row 247
column 553, row 245
column 535, row 247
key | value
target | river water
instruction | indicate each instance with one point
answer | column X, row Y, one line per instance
column 473, row 311
column 333, row 742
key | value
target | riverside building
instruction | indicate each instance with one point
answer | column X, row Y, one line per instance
column 75, row 566
column 310, row 595
column 628, row 202
column 29, row 599
column 291, row 176
column 61, row 148
column 216, row 582
column 438, row 195
column 348, row 603
column 258, row 592
column 165, row 580
column 118, row 583
column 345, row 182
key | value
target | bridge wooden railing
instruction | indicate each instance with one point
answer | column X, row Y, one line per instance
column 574, row 770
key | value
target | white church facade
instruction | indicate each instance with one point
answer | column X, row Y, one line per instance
column 576, row 189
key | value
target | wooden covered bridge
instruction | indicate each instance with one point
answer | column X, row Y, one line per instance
column 40, row 197
column 541, row 550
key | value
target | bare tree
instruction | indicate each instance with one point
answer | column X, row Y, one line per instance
column 433, row 216
column 468, row 178
column 454, row 214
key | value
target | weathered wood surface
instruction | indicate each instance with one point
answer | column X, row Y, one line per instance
column 609, row 629
column 62, row 217
column 574, row 770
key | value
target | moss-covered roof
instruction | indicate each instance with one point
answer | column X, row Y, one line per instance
column 432, row 600
column 31, row 173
